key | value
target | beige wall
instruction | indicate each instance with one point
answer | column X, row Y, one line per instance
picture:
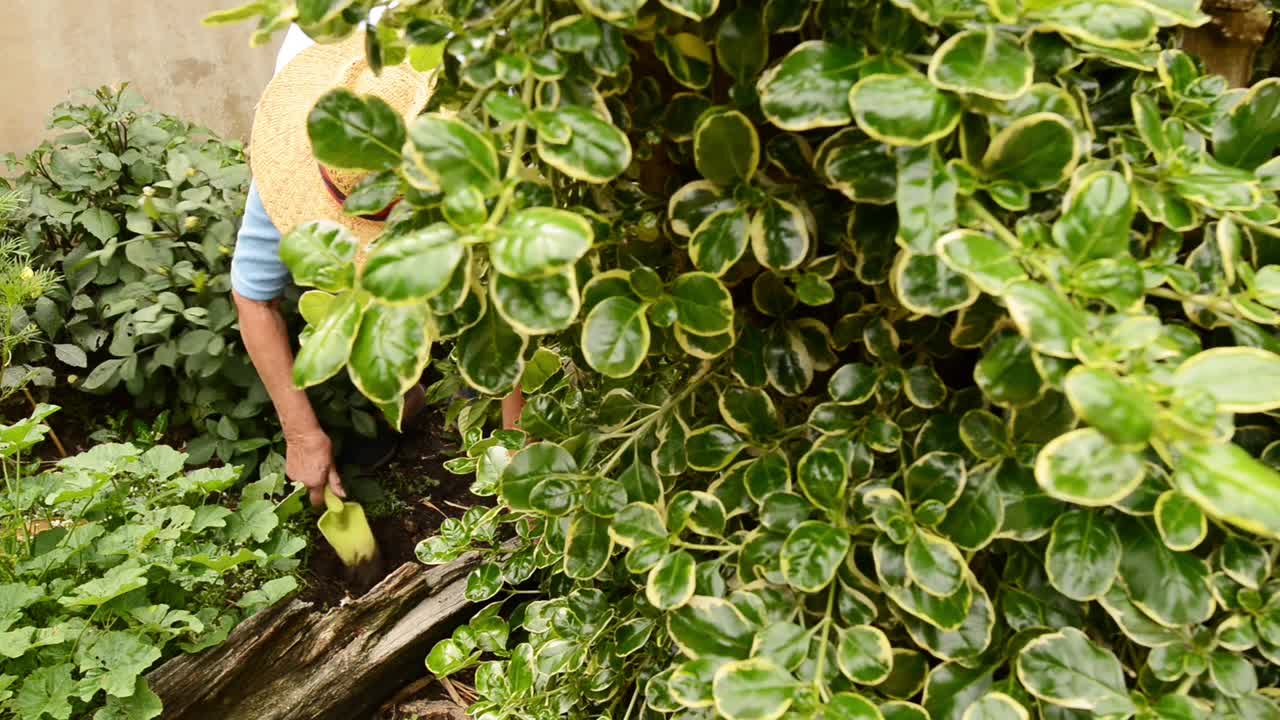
column 51, row 47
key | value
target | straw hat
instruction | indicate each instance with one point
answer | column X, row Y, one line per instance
column 294, row 187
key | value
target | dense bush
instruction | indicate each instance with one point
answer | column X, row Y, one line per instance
column 117, row 559
column 139, row 211
column 21, row 286
column 904, row 360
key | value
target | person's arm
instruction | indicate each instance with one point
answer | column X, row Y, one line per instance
column 257, row 278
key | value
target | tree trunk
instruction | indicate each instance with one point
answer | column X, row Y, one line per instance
column 1229, row 42
column 291, row 663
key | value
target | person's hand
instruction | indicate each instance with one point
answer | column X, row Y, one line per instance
column 309, row 461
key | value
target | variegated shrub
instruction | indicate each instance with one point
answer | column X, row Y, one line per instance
column 884, row 360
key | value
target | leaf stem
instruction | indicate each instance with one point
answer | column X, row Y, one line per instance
column 1206, row 301
column 671, row 402
column 700, row 546
column 995, row 225
column 819, row 665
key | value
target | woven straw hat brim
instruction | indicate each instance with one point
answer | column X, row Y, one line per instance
column 280, row 157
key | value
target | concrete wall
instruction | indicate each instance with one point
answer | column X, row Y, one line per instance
column 52, row 47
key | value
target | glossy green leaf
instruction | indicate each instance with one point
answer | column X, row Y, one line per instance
column 329, row 346
column 491, row 354
column 1083, row 555
column 1248, row 135
column 1180, row 521
column 996, row 706
column 537, row 306
column 615, row 336
column 903, row 109
column 986, row 262
column 391, row 350
column 982, row 62
column 703, row 304
column 1050, row 322
column 742, row 42
column 1039, row 151
column 540, row 241
column 1086, row 468
column 1171, row 587
column 694, row 9
column 672, row 581
column 823, row 476
column 812, row 553
column 1231, row 485
column 450, row 154
column 926, row 285
column 1065, row 668
column 588, row 545
column 320, row 254
column 597, row 151
column 1123, row 412
column 754, row 689
column 926, row 199
column 934, row 564
column 712, row 447
column 726, row 147
column 708, row 626
column 1096, row 217
column 416, row 266
column 1240, row 379
column 1100, row 23
column 355, row 133
column 809, row 88
column 720, row 241
column 779, row 235
column 864, row 655
column 686, row 57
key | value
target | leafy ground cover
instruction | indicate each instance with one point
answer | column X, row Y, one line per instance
column 884, row 360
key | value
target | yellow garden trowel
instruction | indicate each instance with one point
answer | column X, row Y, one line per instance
column 346, row 528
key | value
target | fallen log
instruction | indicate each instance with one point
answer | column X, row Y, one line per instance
column 291, row 662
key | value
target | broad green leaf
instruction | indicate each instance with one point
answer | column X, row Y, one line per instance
column 996, row 706
column 1108, row 25
column 1066, row 669
column 1231, row 485
column 690, row 682
column 703, row 304
column 934, row 564
column 925, row 284
column 320, row 254
column 1096, row 216
column 1007, row 375
column 1172, row 587
column 749, row 411
column 754, row 689
column 864, row 655
column 636, row 524
column 952, row 688
column 926, row 199
column 865, row 170
column 1121, row 410
column 693, row 9
column 1240, row 379
column 115, row 660
column 982, row 62
column 355, row 133
column 450, row 154
column 412, row 267
column 46, row 691
column 694, row 203
column 597, row 151
column 812, row 553
column 809, row 88
column 390, row 351
column 1248, row 135
column 1181, row 523
column 709, row 626
column 142, row 704
column 903, row 109
column 1085, row 468
column 742, row 42
column 1133, row 621
column 1083, row 555
column 671, row 582
column 975, row 518
column 615, row 336
column 823, row 476
column 720, row 241
column 537, row 306
column 329, row 346
column 1050, row 322
column 1039, row 151
column 779, row 235
column 986, row 262
column 712, row 447
column 540, row 241
column 686, row 57
column 491, row 354
column 588, row 545
column 726, row 147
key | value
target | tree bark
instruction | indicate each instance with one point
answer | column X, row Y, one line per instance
column 1229, row 42
column 291, row 663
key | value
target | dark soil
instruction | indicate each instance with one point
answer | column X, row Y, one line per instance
column 405, row 500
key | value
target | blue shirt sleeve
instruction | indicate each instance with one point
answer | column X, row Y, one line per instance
column 257, row 272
